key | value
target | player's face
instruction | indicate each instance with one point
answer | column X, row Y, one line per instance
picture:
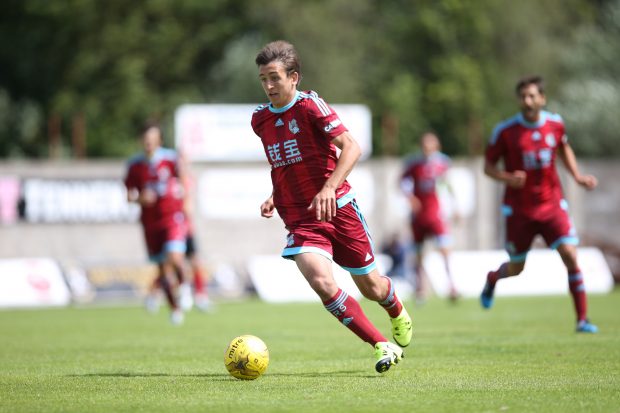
column 279, row 86
column 531, row 102
column 151, row 140
column 429, row 144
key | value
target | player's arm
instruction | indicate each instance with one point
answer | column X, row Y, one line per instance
column 515, row 179
column 324, row 203
column 567, row 155
column 146, row 197
column 143, row 197
column 407, row 185
column 267, row 208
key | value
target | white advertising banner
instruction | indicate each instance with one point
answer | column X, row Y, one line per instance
column 544, row 273
column 32, row 282
column 277, row 280
column 233, row 193
column 222, row 132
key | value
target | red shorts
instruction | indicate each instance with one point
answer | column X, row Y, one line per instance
column 427, row 227
column 555, row 227
column 345, row 240
column 171, row 238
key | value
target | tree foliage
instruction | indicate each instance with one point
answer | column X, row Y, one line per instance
column 447, row 65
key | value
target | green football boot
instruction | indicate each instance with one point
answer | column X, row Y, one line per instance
column 401, row 329
column 387, row 354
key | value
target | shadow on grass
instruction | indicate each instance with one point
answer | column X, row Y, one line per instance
column 220, row 376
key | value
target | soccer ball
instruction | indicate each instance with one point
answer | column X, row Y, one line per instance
column 246, row 357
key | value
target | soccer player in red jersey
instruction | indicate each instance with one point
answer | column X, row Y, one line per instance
column 419, row 182
column 153, row 181
column 300, row 133
column 528, row 145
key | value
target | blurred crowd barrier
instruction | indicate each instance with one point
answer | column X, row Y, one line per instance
column 75, row 213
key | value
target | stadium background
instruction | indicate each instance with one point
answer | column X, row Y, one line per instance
column 77, row 79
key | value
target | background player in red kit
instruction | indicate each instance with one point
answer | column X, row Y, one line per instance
column 419, row 182
column 300, row 133
column 528, row 144
column 201, row 295
column 153, row 180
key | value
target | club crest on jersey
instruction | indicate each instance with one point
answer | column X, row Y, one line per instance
column 292, row 126
column 550, row 139
column 279, row 122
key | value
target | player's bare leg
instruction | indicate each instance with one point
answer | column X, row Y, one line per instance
column 453, row 293
column 507, row 269
column 152, row 300
column 177, row 262
column 168, row 284
column 568, row 252
column 419, row 274
column 201, row 296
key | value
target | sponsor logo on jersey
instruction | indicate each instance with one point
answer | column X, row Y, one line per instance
column 292, row 126
column 347, row 320
column 279, row 122
column 332, row 125
column 536, row 136
column 368, row 256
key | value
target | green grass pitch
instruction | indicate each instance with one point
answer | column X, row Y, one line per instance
column 522, row 356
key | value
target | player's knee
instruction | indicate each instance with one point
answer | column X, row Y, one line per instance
column 373, row 290
column 515, row 268
column 323, row 286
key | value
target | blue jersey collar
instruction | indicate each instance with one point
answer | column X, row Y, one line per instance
column 542, row 118
column 287, row 107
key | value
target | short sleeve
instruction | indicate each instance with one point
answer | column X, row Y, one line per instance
column 323, row 117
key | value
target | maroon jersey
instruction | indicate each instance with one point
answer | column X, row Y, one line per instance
column 424, row 172
column 161, row 174
column 530, row 147
column 297, row 142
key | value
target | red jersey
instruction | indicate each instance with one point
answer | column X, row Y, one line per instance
column 297, row 142
column 530, row 147
column 424, row 172
column 161, row 174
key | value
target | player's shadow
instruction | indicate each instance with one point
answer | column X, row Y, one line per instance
column 127, row 374
column 225, row 376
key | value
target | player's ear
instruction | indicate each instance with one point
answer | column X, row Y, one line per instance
column 295, row 77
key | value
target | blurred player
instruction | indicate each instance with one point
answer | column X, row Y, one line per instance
column 153, row 181
column 300, row 133
column 419, row 182
column 201, row 297
column 528, row 144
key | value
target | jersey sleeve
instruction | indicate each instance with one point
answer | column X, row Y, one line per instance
column 495, row 147
column 323, row 117
column 130, row 180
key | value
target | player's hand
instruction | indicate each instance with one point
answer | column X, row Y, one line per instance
column 147, row 197
column 516, row 179
column 324, row 205
column 267, row 208
column 587, row 181
column 415, row 204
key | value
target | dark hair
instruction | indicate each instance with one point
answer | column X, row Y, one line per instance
column 151, row 124
column 283, row 52
column 531, row 80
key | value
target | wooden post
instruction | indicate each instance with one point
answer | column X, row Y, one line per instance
column 78, row 135
column 54, row 138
